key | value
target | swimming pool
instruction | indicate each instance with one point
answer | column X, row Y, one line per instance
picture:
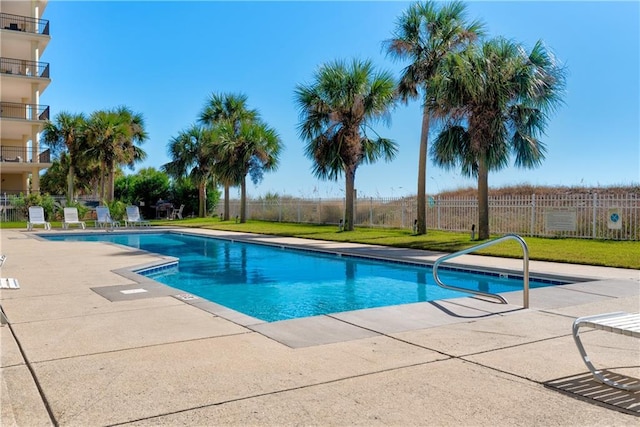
column 276, row 283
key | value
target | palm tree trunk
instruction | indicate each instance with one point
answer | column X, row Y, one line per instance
column 483, row 200
column 349, row 214
column 70, row 181
column 422, row 174
column 103, row 169
column 226, row 202
column 202, row 199
column 111, row 182
column 243, row 200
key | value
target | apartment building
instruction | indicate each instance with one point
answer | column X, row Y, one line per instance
column 24, row 35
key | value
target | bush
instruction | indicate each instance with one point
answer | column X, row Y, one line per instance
column 23, row 203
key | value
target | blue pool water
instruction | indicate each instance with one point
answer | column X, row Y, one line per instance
column 272, row 283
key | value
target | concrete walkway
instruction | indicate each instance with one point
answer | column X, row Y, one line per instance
column 79, row 352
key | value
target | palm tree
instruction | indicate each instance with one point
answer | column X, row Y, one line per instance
column 194, row 155
column 112, row 136
column 232, row 108
column 425, row 34
column 495, row 100
column 251, row 149
column 67, row 132
column 335, row 112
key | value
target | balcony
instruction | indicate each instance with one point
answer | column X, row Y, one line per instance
column 21, row 67
column 13, row 154
column 24, row 24
column 14, row 110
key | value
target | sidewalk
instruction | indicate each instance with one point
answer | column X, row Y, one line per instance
column 72, row 357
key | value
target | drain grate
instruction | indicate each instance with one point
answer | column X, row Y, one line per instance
column 186, row 297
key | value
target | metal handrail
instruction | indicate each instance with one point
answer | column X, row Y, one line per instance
column 525, row 268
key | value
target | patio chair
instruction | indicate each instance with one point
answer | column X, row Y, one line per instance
column 618, row 323
column 71, row 218
column 177, row 213
column 103, row 218
column 36, row 217
column 134, row 218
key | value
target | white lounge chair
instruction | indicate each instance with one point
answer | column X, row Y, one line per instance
column 36, row 217
column 103, row 219
column 134, row 218
column 618, row 323
column 71, row 218
column 177, row 213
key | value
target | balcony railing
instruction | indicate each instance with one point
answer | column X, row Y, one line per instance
column 14, row 110
column 23, row 67
column 24, row 23
column 23, row 155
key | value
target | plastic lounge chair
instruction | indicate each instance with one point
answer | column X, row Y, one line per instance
column 134, row 218
column 177, row 213
column 36, row 217
column 71, row 218
column 104, row 218
column 618, row 323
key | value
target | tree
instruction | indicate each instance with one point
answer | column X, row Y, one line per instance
column 146, row 185
column 194, row 155
column 425, row 34
column 495, row 100
column 251, row 149
column 112, row 137
column 67, row 132
column 335, row 112
column 230, row 108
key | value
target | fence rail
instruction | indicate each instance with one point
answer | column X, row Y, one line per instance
column 591, row 216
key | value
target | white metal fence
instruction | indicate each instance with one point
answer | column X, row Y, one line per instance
column 593, row 216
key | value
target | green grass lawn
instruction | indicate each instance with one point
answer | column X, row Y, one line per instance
column 608, row 253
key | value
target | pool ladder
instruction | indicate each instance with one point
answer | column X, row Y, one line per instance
column 525, row 268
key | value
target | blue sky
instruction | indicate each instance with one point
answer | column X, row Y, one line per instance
column 163, row 59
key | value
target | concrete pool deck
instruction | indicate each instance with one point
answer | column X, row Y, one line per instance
column 79, row 352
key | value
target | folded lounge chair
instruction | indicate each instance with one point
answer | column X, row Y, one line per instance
column 618, row 323
column 71, row 218
column 104, row 218
column 177, row 213
column 134, row 218
column 36, row 217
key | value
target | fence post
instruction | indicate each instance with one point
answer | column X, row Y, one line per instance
column 371, row 211
column 533, row 214
column 438, row 207
column 595, row 207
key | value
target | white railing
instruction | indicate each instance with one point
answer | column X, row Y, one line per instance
column 589, row 215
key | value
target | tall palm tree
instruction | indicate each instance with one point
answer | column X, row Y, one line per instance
column 335, row 112
column 112, row 136
column 194, row 155
column 425, row 34
column 251, row 149
column 232, row 108
column 495, row 99
column 66, row 132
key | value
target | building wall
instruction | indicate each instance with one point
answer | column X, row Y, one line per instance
column 24, row 36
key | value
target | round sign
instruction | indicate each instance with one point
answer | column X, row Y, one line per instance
column 614, row 217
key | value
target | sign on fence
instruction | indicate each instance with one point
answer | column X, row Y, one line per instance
column 560, row 219
column 614, row 219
